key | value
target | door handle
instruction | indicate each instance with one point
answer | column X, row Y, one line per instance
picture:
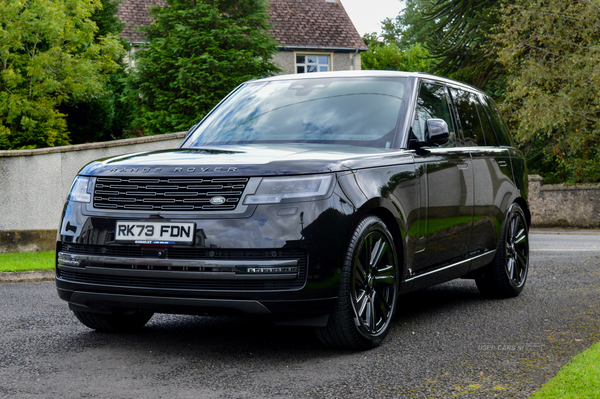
column 502, row 163
column 462, row 166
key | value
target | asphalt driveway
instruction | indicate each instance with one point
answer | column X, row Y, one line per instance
column 447, row 341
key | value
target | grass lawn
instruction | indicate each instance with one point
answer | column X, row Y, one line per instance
column 579, row 379
column 20, row 262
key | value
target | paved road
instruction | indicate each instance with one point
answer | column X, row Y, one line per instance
column 447, row 341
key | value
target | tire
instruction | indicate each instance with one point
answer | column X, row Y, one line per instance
column 368, row 290
column 116, row 322
column 506, row 275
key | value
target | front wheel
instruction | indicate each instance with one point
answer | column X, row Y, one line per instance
column 116, row 322
column 368, row 290
column 505, row 277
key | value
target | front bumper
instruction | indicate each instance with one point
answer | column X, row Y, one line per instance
column 266, row 264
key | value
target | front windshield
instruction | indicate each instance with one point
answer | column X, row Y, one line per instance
column 353, row 111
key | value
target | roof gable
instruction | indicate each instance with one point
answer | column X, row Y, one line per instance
column 311, row 24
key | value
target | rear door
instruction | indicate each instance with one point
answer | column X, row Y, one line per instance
column 491, row 170
column 447, row 179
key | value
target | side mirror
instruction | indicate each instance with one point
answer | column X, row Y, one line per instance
column 436, row 131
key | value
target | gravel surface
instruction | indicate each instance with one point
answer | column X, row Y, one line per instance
column 447, row 341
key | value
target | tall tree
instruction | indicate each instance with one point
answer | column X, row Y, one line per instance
column 106, row 116
column 48, row 56
column 551, row 50
column 461, row 41
column 456, row 34
column 198, row 51
column 411, row 25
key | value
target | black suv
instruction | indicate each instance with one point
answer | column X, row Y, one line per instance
column 310, row 199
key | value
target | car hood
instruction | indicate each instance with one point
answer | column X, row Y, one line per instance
column 246, row 160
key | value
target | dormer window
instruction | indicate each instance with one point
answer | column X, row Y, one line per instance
column 307, row 63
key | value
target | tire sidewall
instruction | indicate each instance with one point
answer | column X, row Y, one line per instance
column 515, row 211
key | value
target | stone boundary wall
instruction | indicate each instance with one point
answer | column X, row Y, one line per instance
column 563, row 205
column 34, row 185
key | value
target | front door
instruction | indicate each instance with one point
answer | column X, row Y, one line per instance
column 447, row 177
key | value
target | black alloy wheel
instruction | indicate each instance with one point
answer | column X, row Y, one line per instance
column 505, row 277
column 368, row 290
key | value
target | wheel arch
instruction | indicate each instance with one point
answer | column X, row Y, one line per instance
column 525, row 207
column 390, row 221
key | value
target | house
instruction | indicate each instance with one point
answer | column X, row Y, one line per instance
column 313, row 35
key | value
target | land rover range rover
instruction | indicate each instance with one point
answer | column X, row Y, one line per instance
column 312, row 200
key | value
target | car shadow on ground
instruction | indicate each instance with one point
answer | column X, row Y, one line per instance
column 235, row 335
column 450, row 296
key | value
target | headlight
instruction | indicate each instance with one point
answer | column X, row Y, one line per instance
column 273, row 190
column 79, row 190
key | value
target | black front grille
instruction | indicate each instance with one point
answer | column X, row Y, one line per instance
column 168, row 194
column 186, row 253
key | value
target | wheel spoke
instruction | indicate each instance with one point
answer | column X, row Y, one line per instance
column 367, row 315
column 514, row 225
column 361, row 275
column 521, row 237
column 510, row 267
column 386, row 305
column 521, row 258
column 518, row 268
column 385, row 275
column 522, row 264
column 372, row 314
column 377, row 253
column 361, row 303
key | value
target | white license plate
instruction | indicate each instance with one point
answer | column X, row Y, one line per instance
column 144, row 232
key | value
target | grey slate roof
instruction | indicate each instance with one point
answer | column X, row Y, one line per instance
column 135, row 13
column 313, row 24
column 309, row 24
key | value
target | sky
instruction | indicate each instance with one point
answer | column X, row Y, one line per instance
column 368, row 14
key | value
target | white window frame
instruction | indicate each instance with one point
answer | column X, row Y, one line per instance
column 313, row 54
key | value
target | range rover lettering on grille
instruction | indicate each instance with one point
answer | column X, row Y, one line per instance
column 177, row 170
column 217, row 200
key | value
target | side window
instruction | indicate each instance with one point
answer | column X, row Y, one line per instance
column 497, row 122
column 488, row 132
column 466, row 106
column 432, row 103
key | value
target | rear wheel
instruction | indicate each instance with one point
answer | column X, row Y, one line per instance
column 368, row 290
column 505, row 277
column 115, row 322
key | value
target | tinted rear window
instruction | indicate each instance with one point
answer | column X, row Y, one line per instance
column 497, row 122
column 466, row 106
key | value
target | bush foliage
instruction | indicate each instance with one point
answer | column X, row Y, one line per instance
column 551, row 51
column 388, row 56
column 198, row 52
column 538, row 58
column 106, row 116
column 48, row 57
